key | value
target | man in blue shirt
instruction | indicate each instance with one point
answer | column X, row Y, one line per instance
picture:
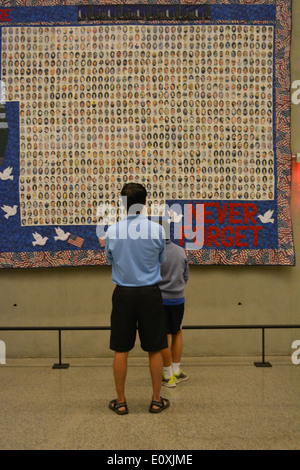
column 135, row 247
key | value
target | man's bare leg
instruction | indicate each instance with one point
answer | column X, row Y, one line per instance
column 156, row 369
column 120, row 372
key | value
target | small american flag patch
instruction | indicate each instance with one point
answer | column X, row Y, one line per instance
column 76, row 241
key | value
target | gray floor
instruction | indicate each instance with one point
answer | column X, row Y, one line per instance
column 227, row 403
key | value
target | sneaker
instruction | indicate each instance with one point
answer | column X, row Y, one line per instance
column 168, row 381
column 181, row 377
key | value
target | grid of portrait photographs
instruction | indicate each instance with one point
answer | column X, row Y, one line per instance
column 185, row 109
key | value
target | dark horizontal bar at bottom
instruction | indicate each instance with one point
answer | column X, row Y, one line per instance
column 60, row 365
column 185, row 327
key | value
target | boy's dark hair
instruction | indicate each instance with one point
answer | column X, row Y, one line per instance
column 135, row 193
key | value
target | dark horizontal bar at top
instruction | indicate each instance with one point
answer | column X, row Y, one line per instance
column 235, row 327
column 143, row 12
column 52, row 328
column 185, row 327
column 136, row 12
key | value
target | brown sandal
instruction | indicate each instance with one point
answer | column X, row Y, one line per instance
column 113, row 405
column 160, row 404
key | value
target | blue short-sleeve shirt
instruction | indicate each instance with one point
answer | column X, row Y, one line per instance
column 135, row 247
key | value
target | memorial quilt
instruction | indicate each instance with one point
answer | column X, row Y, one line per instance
column 192, row 100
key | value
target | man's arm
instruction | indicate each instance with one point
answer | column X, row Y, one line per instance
column 108, row 251
column 162, row 255
column 162, row 239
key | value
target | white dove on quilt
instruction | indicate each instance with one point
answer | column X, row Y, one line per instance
column 10, row 211
column 39, row 240
column 6, row 174
column 61, row 235
column 174, row 217
column 266, row 218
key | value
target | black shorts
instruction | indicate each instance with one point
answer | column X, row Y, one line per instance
column 173, row 318
column 137, row 308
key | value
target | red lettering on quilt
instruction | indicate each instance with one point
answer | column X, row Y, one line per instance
column 241, row 230
column 5, row 15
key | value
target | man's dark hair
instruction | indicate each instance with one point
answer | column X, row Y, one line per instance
column 135, row 194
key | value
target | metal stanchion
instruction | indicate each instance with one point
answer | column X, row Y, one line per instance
column 263, row 363
column 60, row 365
